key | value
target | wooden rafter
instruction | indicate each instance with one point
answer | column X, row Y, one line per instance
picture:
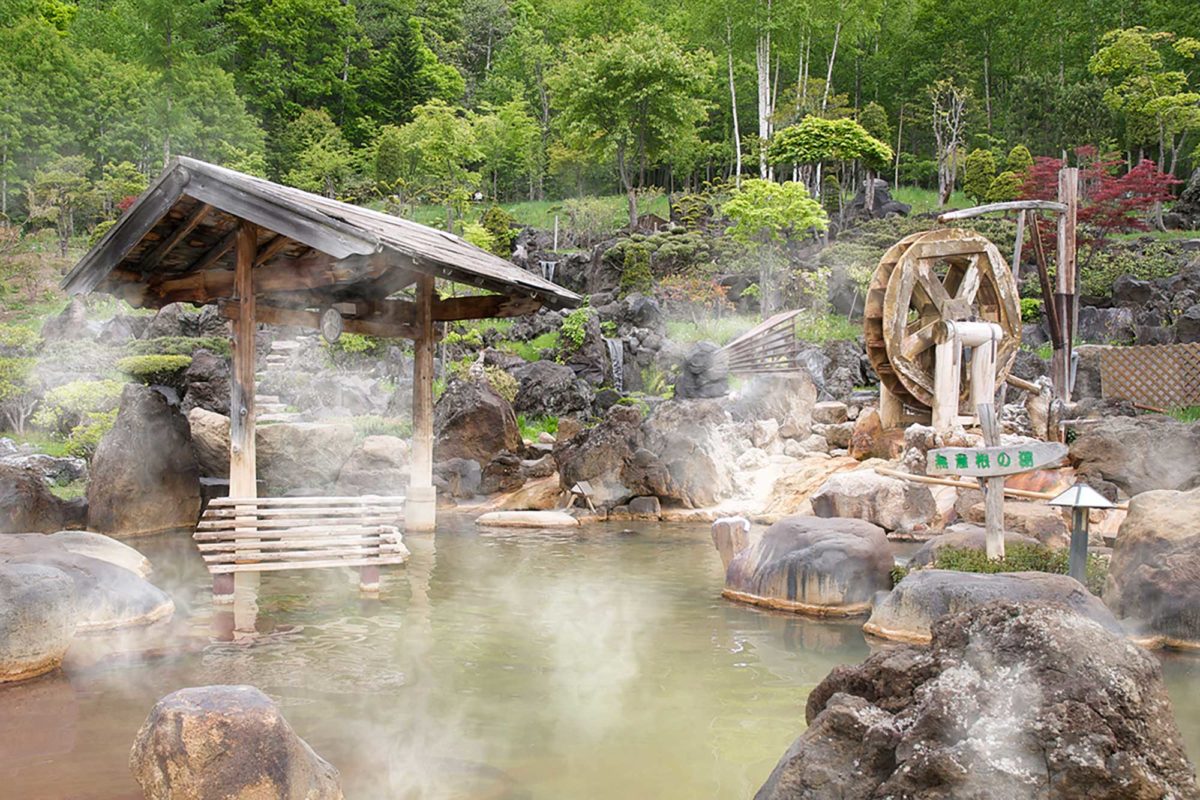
column 168, row 244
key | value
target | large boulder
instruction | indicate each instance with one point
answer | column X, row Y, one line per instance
column 70, row 323
column 471, row 421
column 27, row 504
column 549, row 389
column 302, row 457
column 811, row 565
column 1187, row 326
column 210, row 440
column 1139, row 454
column 226, row 743
column 890, row 503
column 793, row 489
column 145, row 478
column 379, row 465
column 703, row 373
column 1013, row 701
column 103, row 548
column 109, row 595
column 908, row 613
column 698, row 455
column 1154, row 577
column 37, row 619
column 604, row 456
column 207, row 382
column 59, row 470
column 1106, row 325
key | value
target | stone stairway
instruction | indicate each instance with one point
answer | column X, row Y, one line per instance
column 269, row 407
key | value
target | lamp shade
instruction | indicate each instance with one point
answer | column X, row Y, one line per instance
column 1081, row 496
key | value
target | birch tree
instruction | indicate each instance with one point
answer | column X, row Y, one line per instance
column 948, row 102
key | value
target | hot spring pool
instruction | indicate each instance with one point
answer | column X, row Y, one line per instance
column 518, row 665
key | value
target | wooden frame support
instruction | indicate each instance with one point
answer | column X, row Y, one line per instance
column 420, row 513
column 243, row 470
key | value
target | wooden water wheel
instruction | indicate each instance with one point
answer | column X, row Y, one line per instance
column 924, row 280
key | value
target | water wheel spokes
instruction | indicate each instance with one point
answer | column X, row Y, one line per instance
column 923, row 281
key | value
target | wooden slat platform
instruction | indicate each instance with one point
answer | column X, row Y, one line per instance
column 267, row 534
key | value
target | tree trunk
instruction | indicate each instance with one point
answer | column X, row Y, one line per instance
column 762, row 62
column 737, row 132
column 899, row 135
column 837, row 35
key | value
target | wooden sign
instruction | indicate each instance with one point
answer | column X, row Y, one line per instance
column 991, row 462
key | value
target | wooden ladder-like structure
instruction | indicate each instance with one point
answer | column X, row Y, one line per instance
column 771, row 346
column 266, row 534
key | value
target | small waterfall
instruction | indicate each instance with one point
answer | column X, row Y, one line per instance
column 548, row 268
column 616, row 357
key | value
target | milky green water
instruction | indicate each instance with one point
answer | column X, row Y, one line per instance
column 518, row 665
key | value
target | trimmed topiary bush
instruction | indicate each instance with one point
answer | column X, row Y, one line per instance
column 978, row 174
column 1005, row 187
column 179, row 346
column 155, row 369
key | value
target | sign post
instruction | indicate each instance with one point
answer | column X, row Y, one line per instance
column 993, row 464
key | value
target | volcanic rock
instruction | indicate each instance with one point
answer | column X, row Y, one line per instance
column 226, row 743
column 826, row 567
column 1015, row 701
column 37, row 619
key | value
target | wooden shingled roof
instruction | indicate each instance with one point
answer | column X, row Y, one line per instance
column 176, row 244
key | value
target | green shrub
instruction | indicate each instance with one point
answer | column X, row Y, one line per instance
column 479, row 236
column 500, row 225
column 1020, row 558
column 1031, row 309
column 76, row 404
column 574, row 329
column 978, row 174
column 1147, row 261
column 19, row 389
column 85, row 438
column 16, row 340
column 81, row 357
column 635, row 273
column 179, row 346
column 501, row 382
column 150, row 370
column 1019, row 159
column 1004, row 187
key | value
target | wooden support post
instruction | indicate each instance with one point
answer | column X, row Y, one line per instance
column 420, row 511
column 1068, row 195
column 946, row 384
column 1017, row 246
column 993, row 487
column 891, row 412
column 242, row 466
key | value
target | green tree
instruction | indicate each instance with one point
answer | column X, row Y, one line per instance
column 764, row 214
column 1004, row 187
column 117, row 182
column 632, row 95
column 1019, row 159
column 433, row 155
column 509, row 142
column 1149, row 85
column 401, row 71
column 62, row 194
column 979, row 170
column 816, row 141
column 322, row 158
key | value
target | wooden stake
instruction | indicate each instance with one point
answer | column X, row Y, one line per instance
column 993, row 487
column 420, row 513
column 1068, row 195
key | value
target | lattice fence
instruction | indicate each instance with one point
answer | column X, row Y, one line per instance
column 1163, row 376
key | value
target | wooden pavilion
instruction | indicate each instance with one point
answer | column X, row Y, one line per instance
column 269, row 253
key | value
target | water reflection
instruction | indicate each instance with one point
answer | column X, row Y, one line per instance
column 513, row 664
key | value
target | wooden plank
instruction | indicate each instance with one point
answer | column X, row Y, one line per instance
column 312, row 271
column 355, row 512
column 284, row 544
column 275, row 315
column 307, row 500
column 991, row 208
column 947, row 248
column 293, row 555
column 277, row 527
column 985, row 462
column 213, row 255
column 168, row 244
column 306, row 532
column 381, row 560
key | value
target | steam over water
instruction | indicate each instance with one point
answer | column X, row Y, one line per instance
column 501, row 665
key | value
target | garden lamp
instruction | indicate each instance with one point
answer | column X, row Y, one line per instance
column 1080, row 498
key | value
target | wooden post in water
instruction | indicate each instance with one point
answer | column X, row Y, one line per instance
column 242, row 463
column 420, row 507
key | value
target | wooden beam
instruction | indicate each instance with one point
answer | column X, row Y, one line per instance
column 168, row 244
column 312, row 271
column 217, row 252
column 1013, row 205
column 271, row 249
column 483, row 306
column 278, row 315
